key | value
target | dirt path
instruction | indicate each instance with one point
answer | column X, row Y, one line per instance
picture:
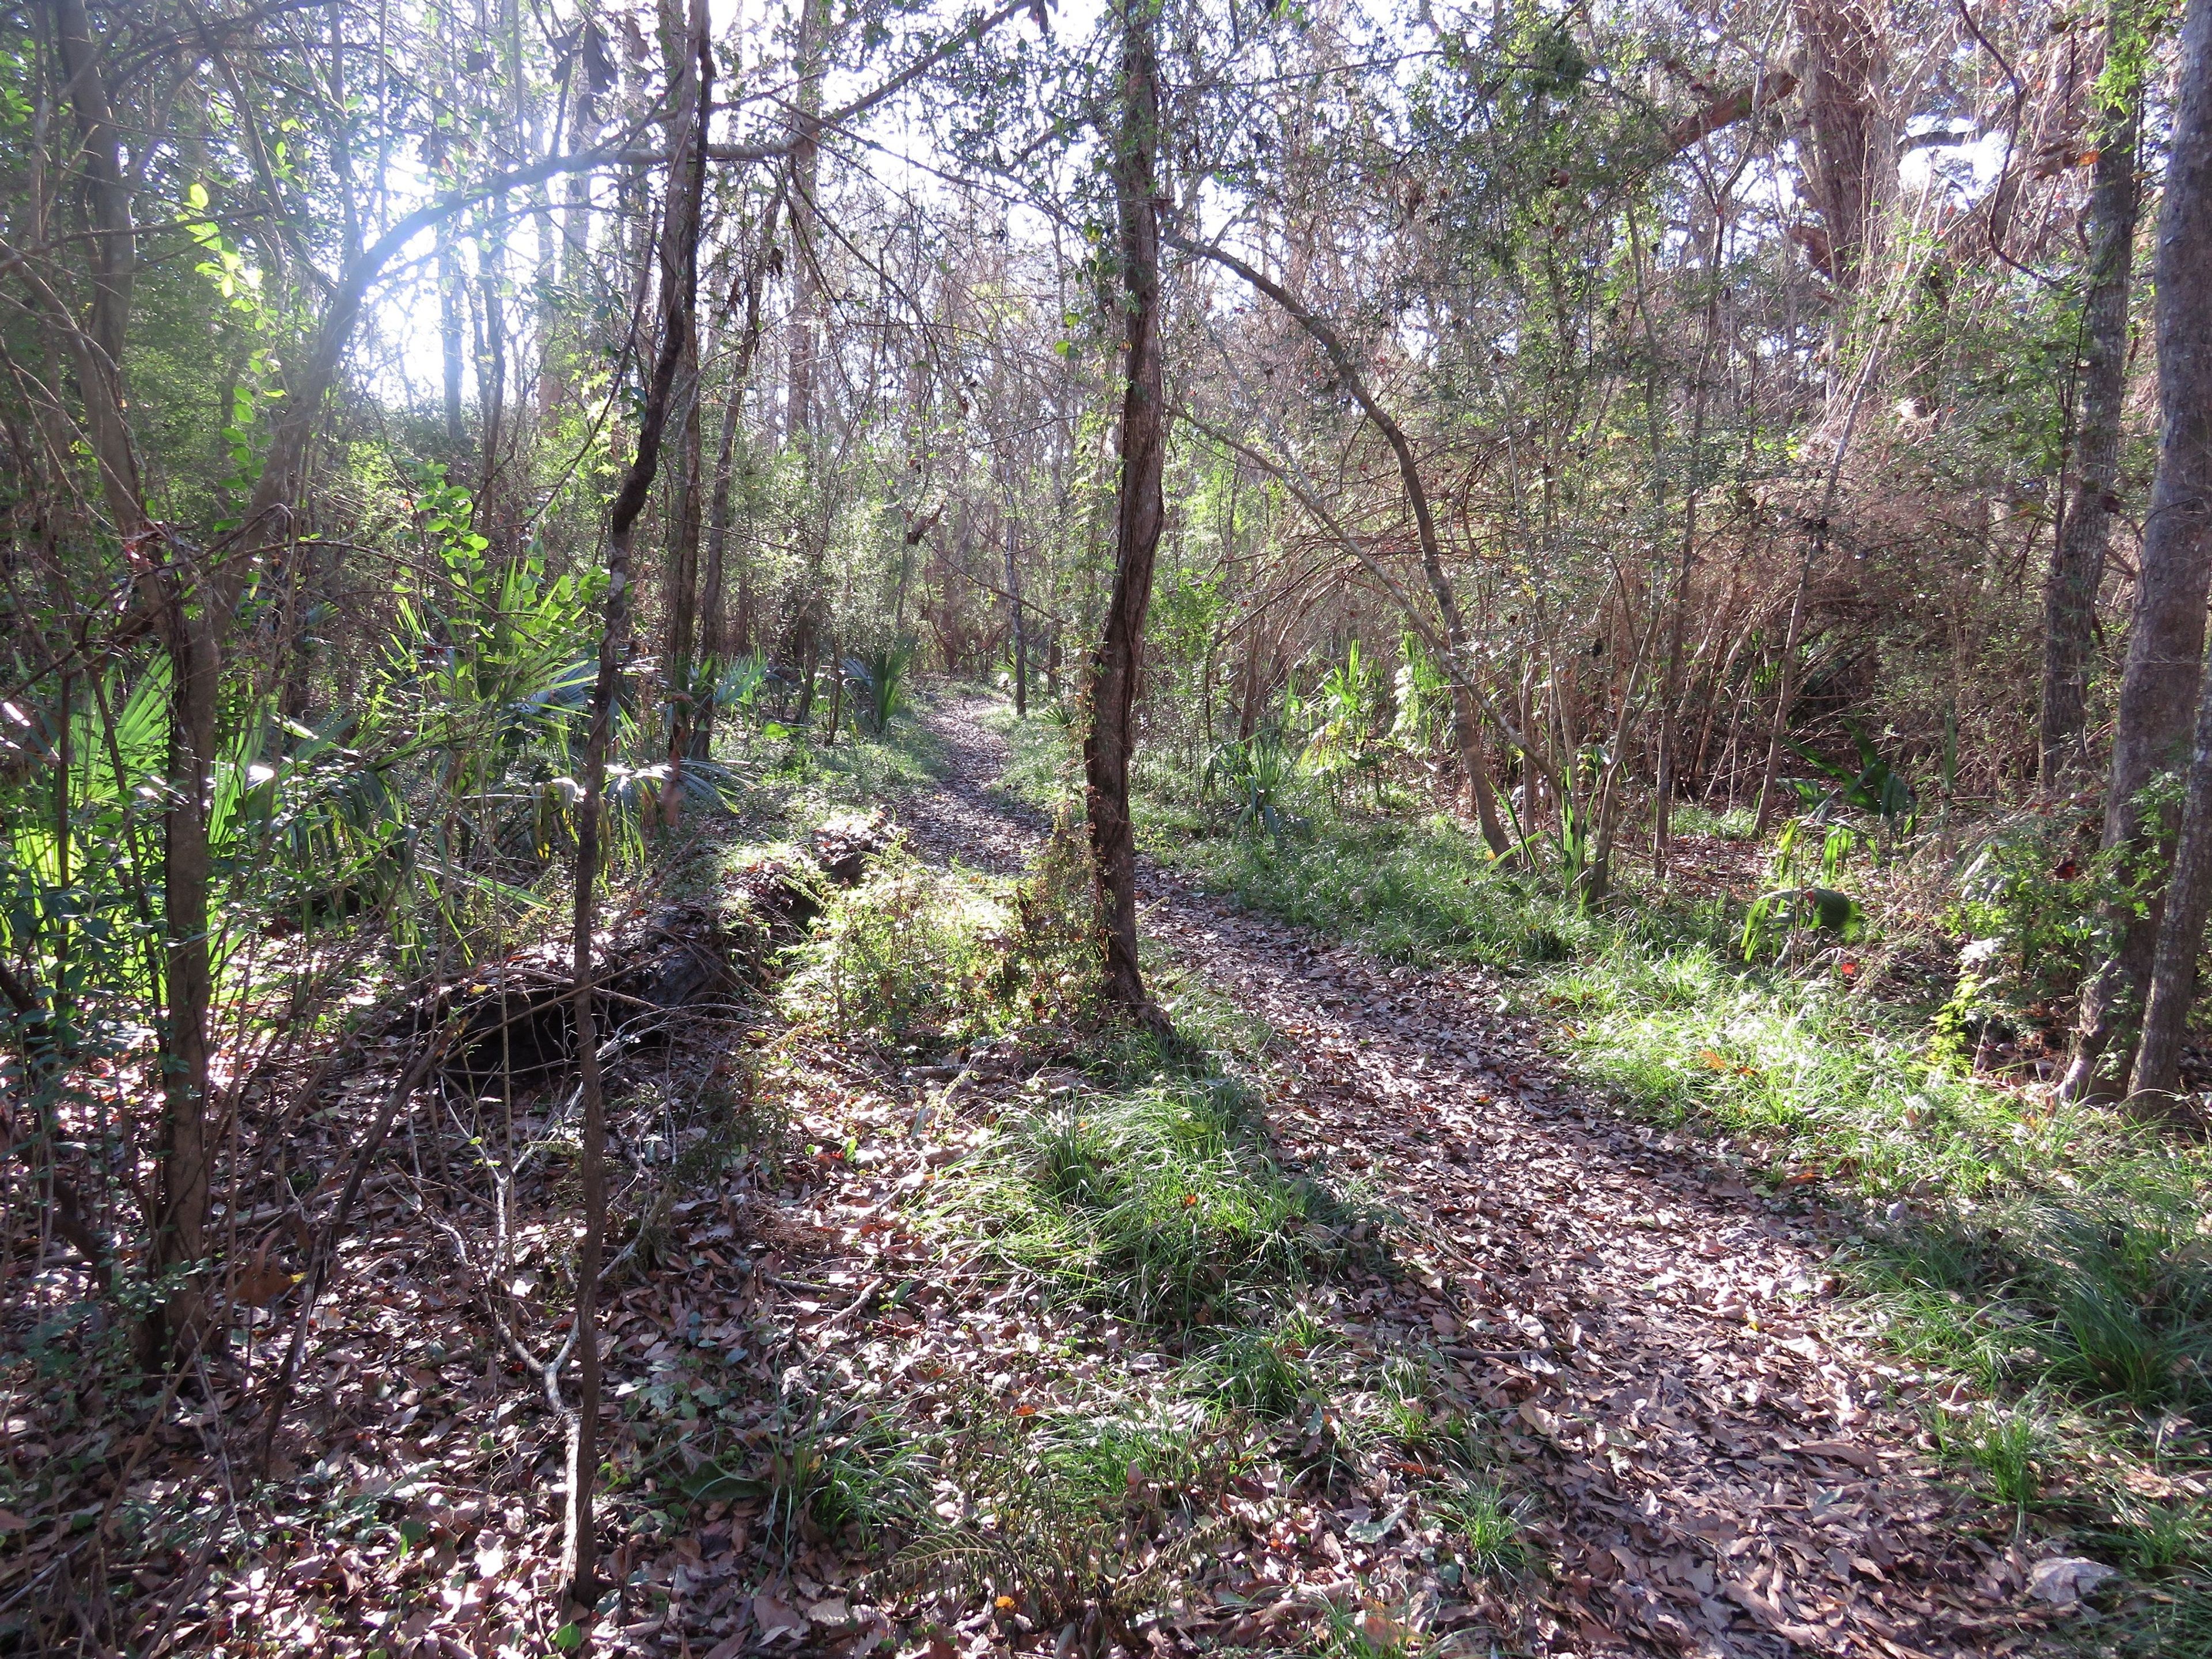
column 1724, row 1468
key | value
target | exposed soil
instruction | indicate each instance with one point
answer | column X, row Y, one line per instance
column 1725, row 1466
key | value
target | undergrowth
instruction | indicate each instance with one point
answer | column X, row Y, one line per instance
column 1124, row 1187
column 2053, row 1259
column 1162, row 1201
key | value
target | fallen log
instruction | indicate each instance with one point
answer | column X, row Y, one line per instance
column 513, row 1018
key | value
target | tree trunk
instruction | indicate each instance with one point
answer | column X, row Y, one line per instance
column 2181, row 927
column 712, row 644
column 1112, row 735
column 1021, row 633
column 2077, row 561
column 173, row 1326
column 679, row 274
column 682, row 578
column 2168, row 635
column 189, row 621
column 1850, row 164
column 449, row 342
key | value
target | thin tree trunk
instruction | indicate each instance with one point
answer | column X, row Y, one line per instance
column 683, row 578
column 1112, row 735
column 2077, row 561
column 180, row 1219
column 491, row 374
column 679, row 274
column 189, row 621
column 449, row 342
column 2168, row 636
column 1021, row 634
column 1466, row 724
column 711, row 641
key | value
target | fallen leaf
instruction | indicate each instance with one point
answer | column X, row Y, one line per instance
column 1858, row 1456
column 2063, row 1580
column 773, row 1618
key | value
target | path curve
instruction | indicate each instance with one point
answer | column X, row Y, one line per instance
column 1726, row 1468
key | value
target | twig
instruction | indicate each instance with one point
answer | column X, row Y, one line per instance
column 318, row 1263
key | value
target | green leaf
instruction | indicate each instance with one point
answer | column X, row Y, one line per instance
column 569, row 1636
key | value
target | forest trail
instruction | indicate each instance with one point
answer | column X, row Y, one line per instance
column 1725, row 1467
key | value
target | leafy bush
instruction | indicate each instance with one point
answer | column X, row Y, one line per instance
column 878, row 681
column 900, row 958
column 1255, row 776
column 1804, row 897
column 2030, row 894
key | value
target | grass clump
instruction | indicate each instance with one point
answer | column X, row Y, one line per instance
column 1731, row 824
column 2007, row 1446
column 1484, row 1529
column 1267, row 1373
column 1163, row 1203
column 830, row 1474
column 1685, row 1034
column 801, row 783
column 1063, row 1521
column 2106, row 1297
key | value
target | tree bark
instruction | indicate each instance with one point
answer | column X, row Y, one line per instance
column 2163, row 668
column 1850, row 164
column 449, row 342
column 173, row 1326
column 2180, row 928
column 2077, row 561
column 712, row 644
column 1111, row 737
column 1021, row 633
column 679, row 277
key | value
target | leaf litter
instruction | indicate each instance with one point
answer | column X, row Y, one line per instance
column 1555, row 1384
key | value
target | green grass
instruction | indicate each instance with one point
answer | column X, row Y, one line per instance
column 1410, row 889
column 901, row 957
column 798, row 782
column 1484, row 1528
column 2009, row 1446
column 1270, row 1374
column 1162, row 1202
column 1063, row 1517
column 1735, row 824
column 2054, row 1258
